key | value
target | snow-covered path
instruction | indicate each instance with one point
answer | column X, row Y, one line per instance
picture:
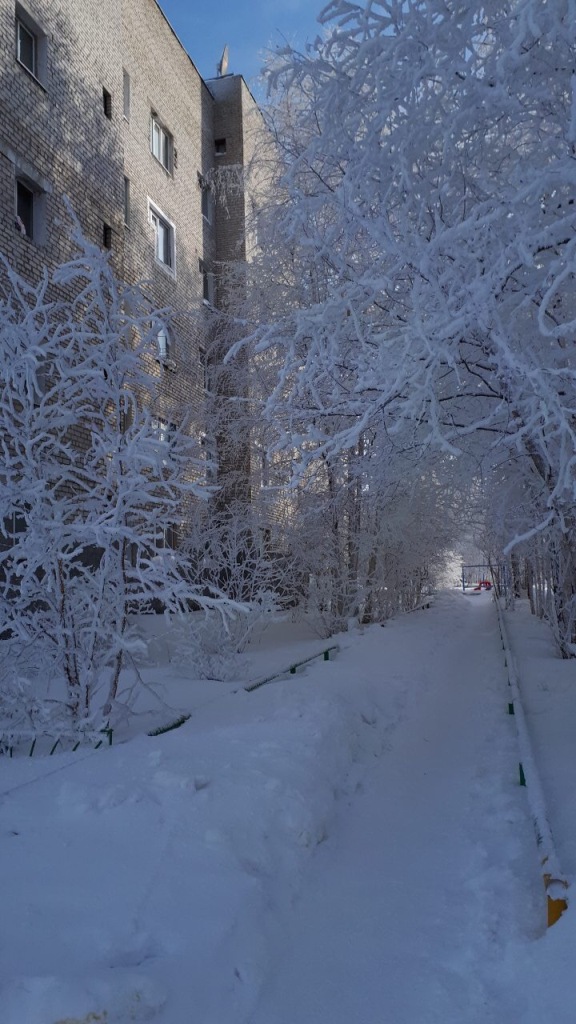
column 433, row 867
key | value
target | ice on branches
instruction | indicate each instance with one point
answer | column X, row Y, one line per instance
column 88, row 486
column 428, row 211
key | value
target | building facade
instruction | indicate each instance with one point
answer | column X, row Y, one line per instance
column 101, row 104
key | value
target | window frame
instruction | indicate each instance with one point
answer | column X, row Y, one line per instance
column 208, row 458
column 168, row 538
column 107, row 103
column 158, row 219
column 207, row 205
column 127, row 202
column 23, row 21
column 38, row 209
column 207, row 284
column 165, row 432
column 203, row 360
column 171, row 537
column 163, row 153
column 165, row 350
column 22, row 27
column 264, row 468
column 163, row 344
column 27, row 230
column 126, row 94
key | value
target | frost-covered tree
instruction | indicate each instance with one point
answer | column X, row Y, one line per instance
column 372, row 538
column 335, row 509
column 428, row 184
column 92, row 482
column 231, row 554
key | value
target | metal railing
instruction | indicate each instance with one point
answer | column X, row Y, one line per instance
column 291, row 669
column 555, row 883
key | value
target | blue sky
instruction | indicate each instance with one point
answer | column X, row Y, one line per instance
column 248, row 26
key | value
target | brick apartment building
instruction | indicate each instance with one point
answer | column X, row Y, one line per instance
column 100, row 102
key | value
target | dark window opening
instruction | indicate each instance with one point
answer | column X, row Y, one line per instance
column 210, row 458
column 107, row 103
column 264, row 469
column 24, row 209
column 107, row 236
column 170, row 537
column 127, row 202
column 206, row 282
column 126, row 419
column 126, row 95
column 220, row 147
column 207, row 201
column 204, row 367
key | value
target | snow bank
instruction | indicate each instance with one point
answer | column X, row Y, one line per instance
column 151, row 875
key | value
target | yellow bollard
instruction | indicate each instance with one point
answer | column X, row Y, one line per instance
column 555, row 905
column 555, row 910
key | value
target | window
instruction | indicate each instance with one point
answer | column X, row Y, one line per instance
column 163, row 342
column 165, row 433
column 209, row 456
column 161, row 143
column 163, row 238
column 30, row 45
column 264, row 469
column 165, row 348
column 30, row 201
column 127, row 202
column 169, row 537
column 24, row 209
column 42, row 381
column 126, row 96
column 133, row 554
column 205, row 203
column 220, row 147
column 107, row 236
column 202, row 355
column 126, row 418
column 207, row 199
column 13, row 525
column 207, row 283
column 30, row 209
column 27, row 48
column 265, row 540
column 107, row 103
column 165, row 430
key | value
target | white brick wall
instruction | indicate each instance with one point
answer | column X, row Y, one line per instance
column 59, row 130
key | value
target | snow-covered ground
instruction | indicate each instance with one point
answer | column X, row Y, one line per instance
column 348, row 845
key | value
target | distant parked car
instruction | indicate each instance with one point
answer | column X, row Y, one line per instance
column 483, row 585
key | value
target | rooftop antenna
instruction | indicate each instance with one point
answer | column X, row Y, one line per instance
column 223, row 63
